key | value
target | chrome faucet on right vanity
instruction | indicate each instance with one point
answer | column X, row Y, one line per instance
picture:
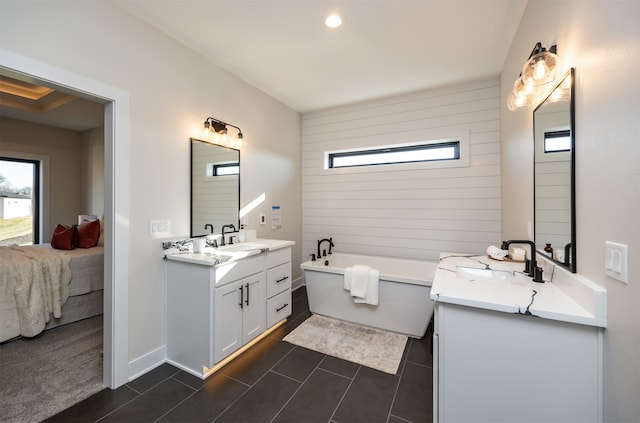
column 530, row 266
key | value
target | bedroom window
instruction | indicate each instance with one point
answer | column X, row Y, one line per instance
column 449, row 150
column 19, row 201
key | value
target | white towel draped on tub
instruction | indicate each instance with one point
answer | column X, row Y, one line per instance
column 362, row 282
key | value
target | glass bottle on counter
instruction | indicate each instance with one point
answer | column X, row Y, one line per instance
column 549, row 250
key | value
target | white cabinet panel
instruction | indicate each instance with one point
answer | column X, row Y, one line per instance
column 227, row 320
column 278, row 307
column 253, row 317
column 278, row 279
column 212, row 311
column 494, row 366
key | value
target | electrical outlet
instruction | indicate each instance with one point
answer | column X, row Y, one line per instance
column 616, row 264
column 263, row 219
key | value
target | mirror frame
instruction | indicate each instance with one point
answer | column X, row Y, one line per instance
column 571, row 263
column 236, row 222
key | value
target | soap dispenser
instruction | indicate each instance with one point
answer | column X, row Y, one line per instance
column 241, row 233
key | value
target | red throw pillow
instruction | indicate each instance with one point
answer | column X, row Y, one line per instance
column 64, row 237
column 88, row 233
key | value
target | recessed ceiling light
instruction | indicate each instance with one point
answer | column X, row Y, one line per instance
column 334, row 20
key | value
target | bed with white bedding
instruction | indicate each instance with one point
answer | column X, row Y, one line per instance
column 41, row 287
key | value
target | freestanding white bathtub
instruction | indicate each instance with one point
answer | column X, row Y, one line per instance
column 405, row 285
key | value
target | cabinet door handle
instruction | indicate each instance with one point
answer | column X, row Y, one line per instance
column 280, row 308
column 241, row 295
column 247, row 300
column 283, row 279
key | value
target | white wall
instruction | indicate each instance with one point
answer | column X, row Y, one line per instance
column 601, row 39
column 171, row 91
column 93, row 172
column 62, row 171
column 415, row 213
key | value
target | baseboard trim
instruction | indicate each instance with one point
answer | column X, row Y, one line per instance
column 147, row 362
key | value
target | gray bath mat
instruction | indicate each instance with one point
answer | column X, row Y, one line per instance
column 369, row 347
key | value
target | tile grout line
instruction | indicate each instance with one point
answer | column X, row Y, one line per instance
column 299, row 387
column 186, row 398
column 139, row 393
column 401, row 373
column 345, row 393
column 245, row 392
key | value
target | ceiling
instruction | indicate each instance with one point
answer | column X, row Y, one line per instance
column 383, row 48
column 22, row 98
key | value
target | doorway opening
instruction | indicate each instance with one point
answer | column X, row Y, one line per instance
column 115, row 107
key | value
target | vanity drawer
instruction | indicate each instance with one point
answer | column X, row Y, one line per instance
column 277, row 257
column 278, row 279
column 234, row 270
column 278, row 308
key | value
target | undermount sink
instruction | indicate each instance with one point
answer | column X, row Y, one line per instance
column 244, row 246
column 241, row 250
column 488, row 275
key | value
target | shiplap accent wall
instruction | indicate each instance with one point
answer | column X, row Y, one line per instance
column 415, row 213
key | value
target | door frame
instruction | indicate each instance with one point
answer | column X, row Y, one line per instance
column 116, row 253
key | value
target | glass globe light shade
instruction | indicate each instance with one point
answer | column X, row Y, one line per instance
column 540, row 68
column 517, row 101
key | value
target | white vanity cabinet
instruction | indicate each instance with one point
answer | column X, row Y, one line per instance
column 215, row 309
column 238, row 314
column 491, row 366
column 278, row 285
column 205, row 321
column 512, row 350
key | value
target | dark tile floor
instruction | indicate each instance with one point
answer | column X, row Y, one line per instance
column 274, row 381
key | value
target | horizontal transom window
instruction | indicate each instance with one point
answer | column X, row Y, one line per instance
column 449, row 150
column 223, row 169
column 557, row 141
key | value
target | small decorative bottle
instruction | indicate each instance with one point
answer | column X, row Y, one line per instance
column 549, row 250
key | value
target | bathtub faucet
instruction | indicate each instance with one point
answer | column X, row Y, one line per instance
column 323, row 253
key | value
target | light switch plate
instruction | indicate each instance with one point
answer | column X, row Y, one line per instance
column 615, row 261
column 159, row 227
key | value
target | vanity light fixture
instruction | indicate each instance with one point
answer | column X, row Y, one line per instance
column 217, row 129
column 538, row 71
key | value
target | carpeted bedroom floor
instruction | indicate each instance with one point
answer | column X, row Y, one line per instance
column 43, row 375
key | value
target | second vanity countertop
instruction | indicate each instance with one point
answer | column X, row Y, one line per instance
column 579, row 301
column 214, row 256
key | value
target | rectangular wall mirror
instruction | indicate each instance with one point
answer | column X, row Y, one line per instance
column 215, row 187
column 554, row 175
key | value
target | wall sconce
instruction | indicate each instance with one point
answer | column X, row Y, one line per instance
column 217, row 129
column 538, row 71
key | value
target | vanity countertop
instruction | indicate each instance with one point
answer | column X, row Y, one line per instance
column 579, row 301
column 229, row 253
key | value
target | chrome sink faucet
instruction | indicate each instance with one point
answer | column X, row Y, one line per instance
column 320, row 252
column 233, row 229
column 531, row 266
